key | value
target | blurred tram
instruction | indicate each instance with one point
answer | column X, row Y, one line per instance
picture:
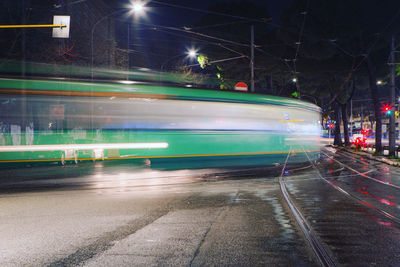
column 58, row 121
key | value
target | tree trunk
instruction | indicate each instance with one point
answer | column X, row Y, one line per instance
column 375, row 99
column 338, row 137
column 372, row 124
column 345, row 124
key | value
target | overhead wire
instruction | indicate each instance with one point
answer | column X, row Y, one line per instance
column 213, row 12
column 223, row 40
column 304, row 13
column 219, row 60
column 216, row 25
column 205, row 35
column 365, row 56
column 301, row 33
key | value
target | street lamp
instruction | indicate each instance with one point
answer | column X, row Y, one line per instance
column 136, row 7
column 91, row 38
column 192, row 53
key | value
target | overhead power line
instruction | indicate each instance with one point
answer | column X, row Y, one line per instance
column 365, row 56
column 298, row 43
column 219, row 60
column 201, row 34
column 266, row 20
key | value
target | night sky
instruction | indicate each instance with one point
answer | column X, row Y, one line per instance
column 175, row 16
column 149, row 42
column 178, row 14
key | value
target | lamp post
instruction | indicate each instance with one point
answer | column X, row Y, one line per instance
column 136, row 8
column 91, row 38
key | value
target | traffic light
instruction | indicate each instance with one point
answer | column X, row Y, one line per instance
column 386, row 108
column 331, row 125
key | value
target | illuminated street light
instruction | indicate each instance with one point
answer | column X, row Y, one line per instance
column 192, row 53
column 138, row 7
column 379, row 82
column 294, row 80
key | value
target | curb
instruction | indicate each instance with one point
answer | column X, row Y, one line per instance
column 369, row 156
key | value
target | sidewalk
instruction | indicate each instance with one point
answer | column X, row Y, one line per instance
column 367, row 152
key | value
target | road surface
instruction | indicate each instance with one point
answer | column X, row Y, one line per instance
column 122, row 215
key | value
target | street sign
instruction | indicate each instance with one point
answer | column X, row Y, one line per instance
column 61, row 32
column 241, row 86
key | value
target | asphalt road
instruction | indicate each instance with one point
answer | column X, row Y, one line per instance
column 122, row 215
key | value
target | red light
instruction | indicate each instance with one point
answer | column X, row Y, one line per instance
column 386, row 108
column 331, row 125
column 360, row 141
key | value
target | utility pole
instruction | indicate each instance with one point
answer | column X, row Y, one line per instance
column 392, row 125
column 252, row 60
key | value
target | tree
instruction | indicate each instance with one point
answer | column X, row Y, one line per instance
column 356, row 31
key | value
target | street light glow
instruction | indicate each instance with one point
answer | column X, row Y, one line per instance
column 138, row 7
column 192, row 53
column 294, row 80
column 379, row 82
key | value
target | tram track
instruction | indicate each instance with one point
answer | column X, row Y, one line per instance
column 386, row 214
column 364, row 175
column 319, row 250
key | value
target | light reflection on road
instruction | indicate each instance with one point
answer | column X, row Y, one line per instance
column 103, row 175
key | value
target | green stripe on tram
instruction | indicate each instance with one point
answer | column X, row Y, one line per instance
column 172, row 92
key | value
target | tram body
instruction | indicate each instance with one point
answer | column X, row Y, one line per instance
column 48, row 121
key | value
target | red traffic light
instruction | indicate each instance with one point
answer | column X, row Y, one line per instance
column 386, row 108
column 331, row 125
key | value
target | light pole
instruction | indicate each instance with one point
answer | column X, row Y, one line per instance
column 133, row 8
column 136, row 8
column 91, row 38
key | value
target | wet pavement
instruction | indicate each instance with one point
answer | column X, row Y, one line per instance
column 101, row 214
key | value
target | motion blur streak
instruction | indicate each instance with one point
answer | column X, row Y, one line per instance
column 83, row 147
column 69, row 121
